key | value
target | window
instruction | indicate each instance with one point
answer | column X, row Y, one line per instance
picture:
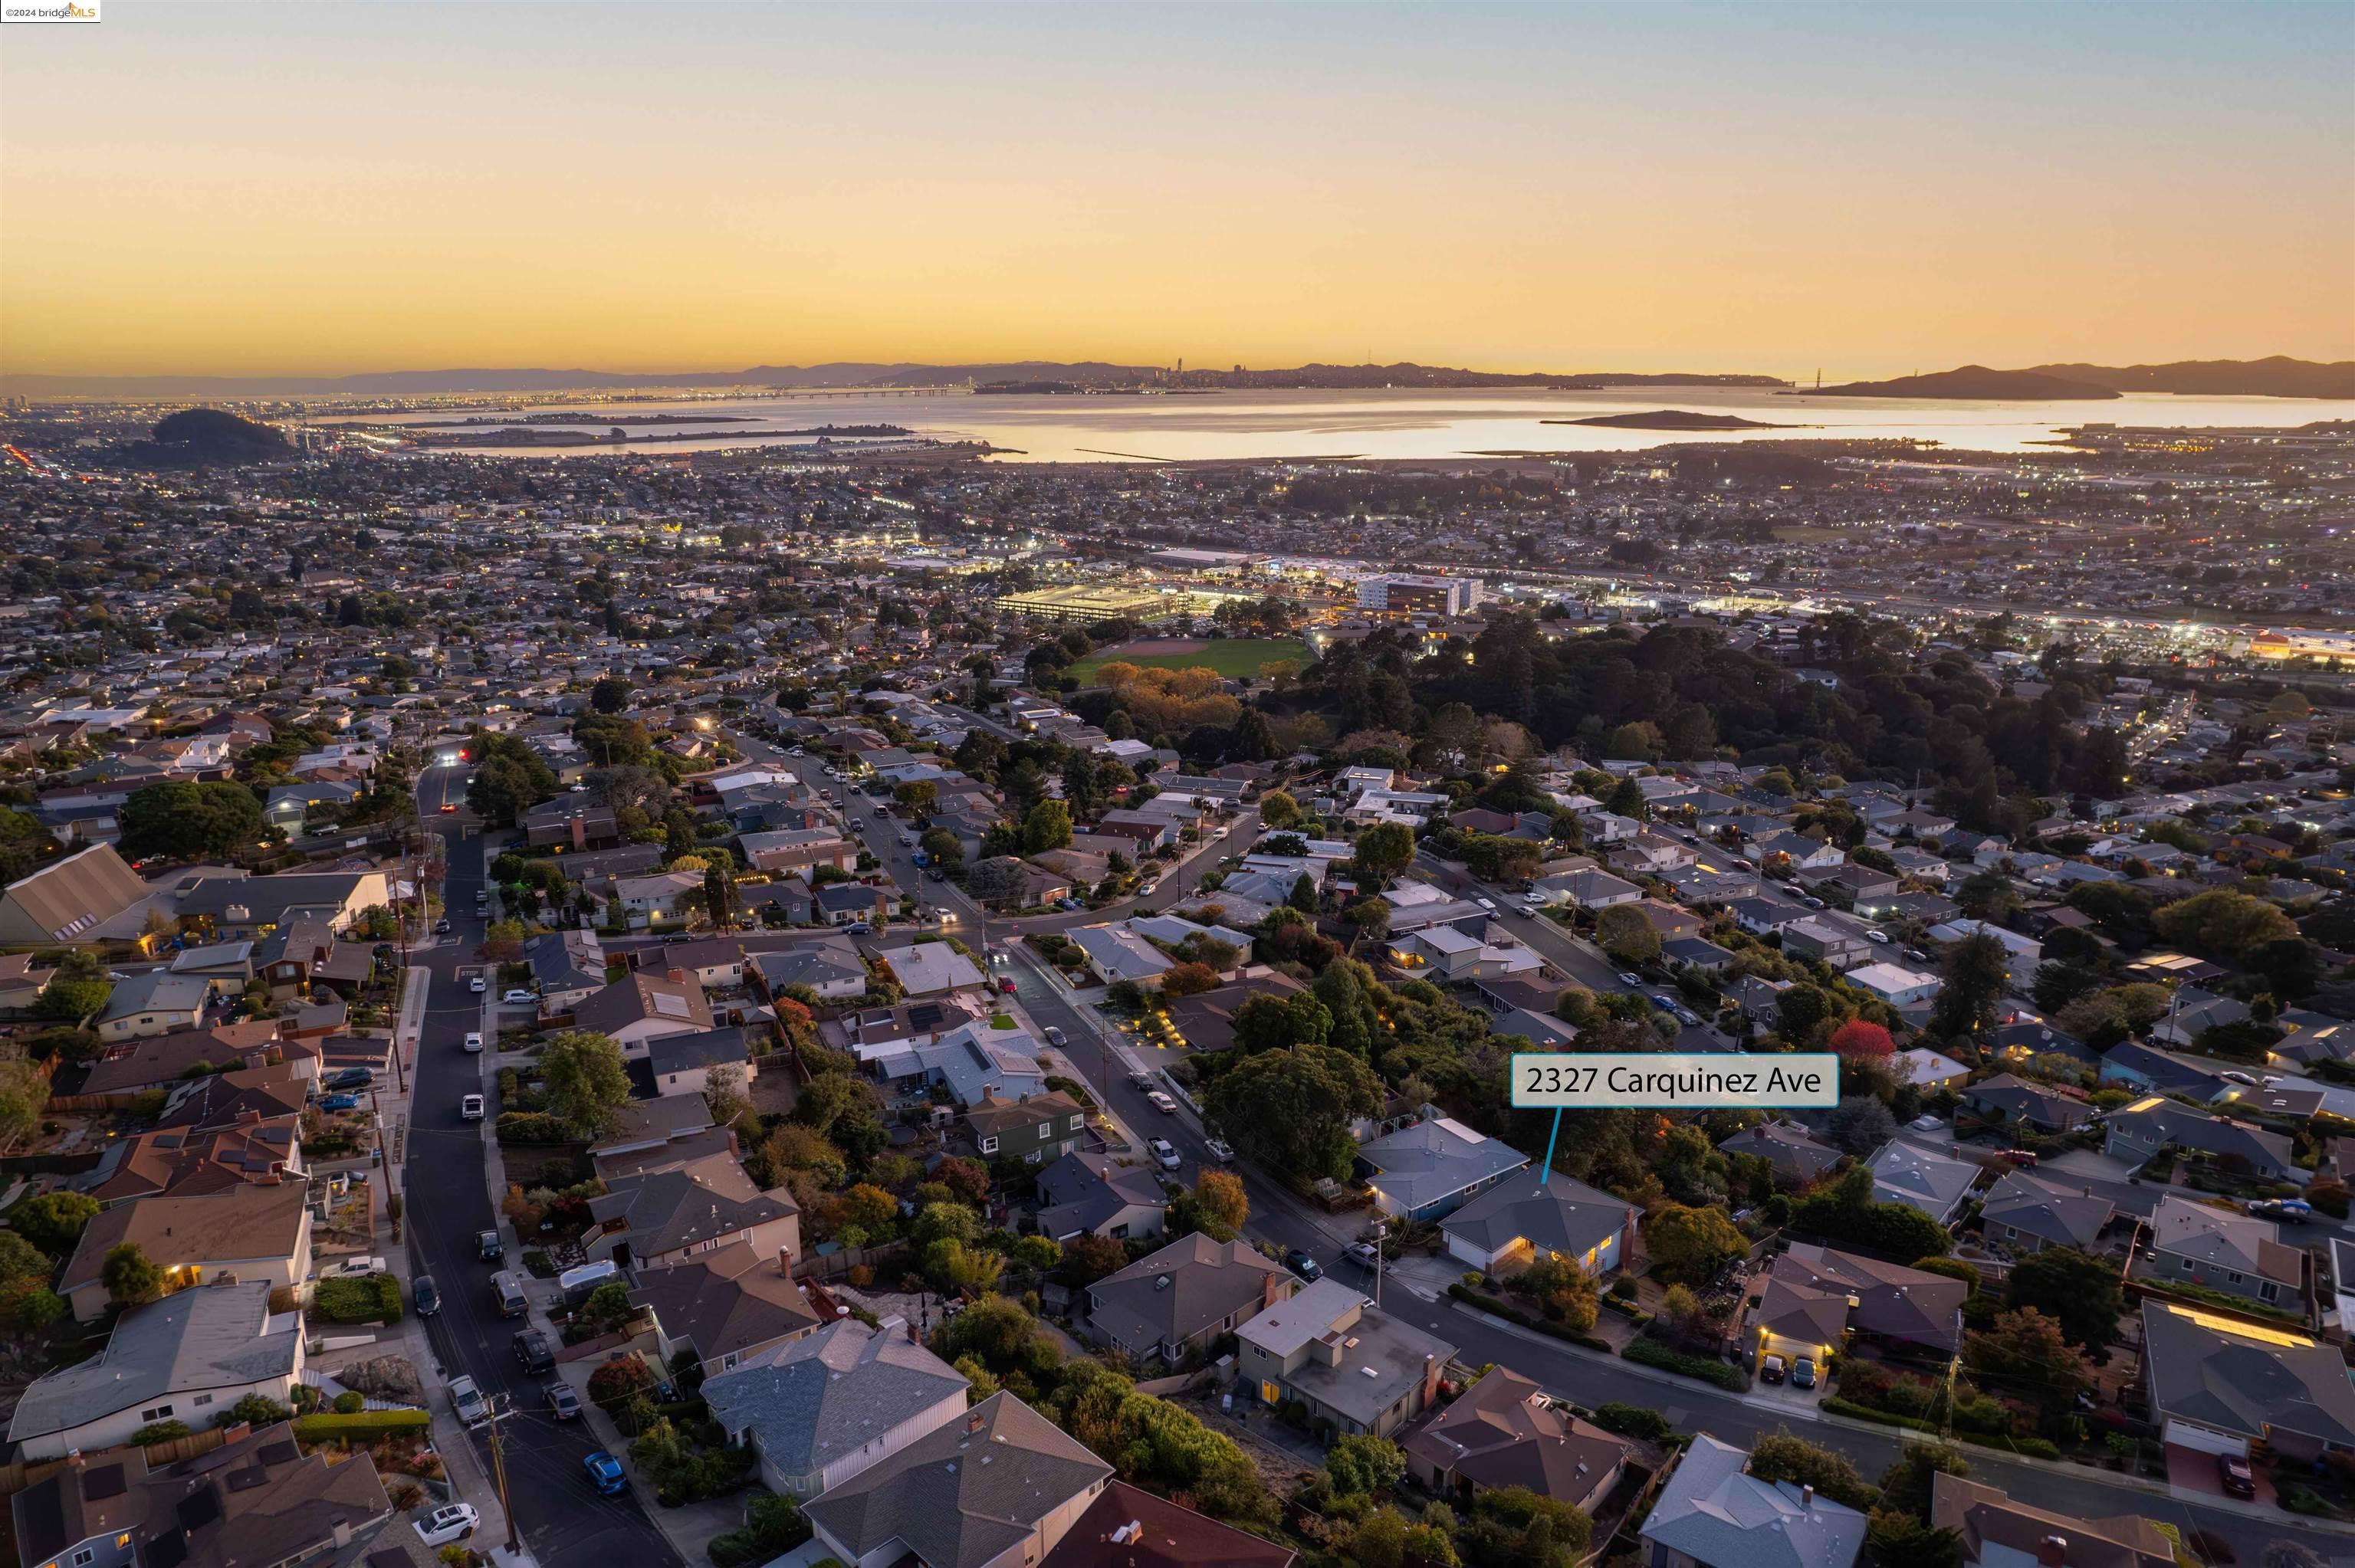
column 203, row 1400
column 2187, row 1265
column 156, row 1414
column 990, row 1146
column 1046, row 1131
column 2233, row 1278
column 2267, row 1290
column 1076, row 1119
column 84, row 1557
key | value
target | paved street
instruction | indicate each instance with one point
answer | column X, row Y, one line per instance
column 563, row 1520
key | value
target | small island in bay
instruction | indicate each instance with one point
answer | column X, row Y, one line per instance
column 1674, row 420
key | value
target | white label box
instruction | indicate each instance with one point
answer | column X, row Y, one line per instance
column 1651, row 1080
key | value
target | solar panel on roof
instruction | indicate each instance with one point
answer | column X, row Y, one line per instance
column 245, row 1480
column 167, row 1551
column 279, row 1454
column 200, row 1507
column 105, row 1482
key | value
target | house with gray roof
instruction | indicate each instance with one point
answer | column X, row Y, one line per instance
column 2222, row 1249
column 1919, row 1178
column 1524, row 1217
column 1082, row 1196
column 1115, row 953
column 155, row 1002
column 931, row 969
column 2210, row 1377
column 970, row 1060
column 682, row 1063
column 1433, row 1167
column 2141, row 1131
column 659, row 1217
column 820, row 1409
column 832, row 968
column 1714, row 1514
column 566, row 967
column 2028, row 1213
column 187, row 1356
column 998, row 1486
column 1790, row 1149
column 726, row 1305
column 1175, row 1301
column 1328, row 1348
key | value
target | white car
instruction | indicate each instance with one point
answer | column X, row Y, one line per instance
column 473, row 1040
column 1876, row 936
column 451, row 1521
column 944, row 915
column 470, row 1108
column 1163, row 1103
column 478, row 985
column 2230, row 1076
column 354, row 1268
column 519, row 997
column 1219, row 1149
column 466, row 1399
column 1488, row 903
column 1162, row 1152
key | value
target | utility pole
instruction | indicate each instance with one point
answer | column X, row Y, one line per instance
column 499, row 1473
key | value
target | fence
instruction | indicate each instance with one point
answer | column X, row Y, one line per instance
column 835, row 1265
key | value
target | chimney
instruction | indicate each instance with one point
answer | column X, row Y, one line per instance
column 2053, row 1552
column 1274, row 1287
column 784, row 1263
column 1807, row 1496
column 973, row 1423
column 343, row 1534
column 989, row 1094
column 1429, row 1378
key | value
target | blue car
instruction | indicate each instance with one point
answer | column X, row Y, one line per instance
column 340, row 1103
column 605, row 1473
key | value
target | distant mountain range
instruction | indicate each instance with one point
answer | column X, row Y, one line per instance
column 1086, row 373
column 2278, row 377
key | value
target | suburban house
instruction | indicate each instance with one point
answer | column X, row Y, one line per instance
column 1038, row 1127
column 658, row 1218
column 2223, row 1249
column 725, row 1306
column 2216, row 1384
column 1172, row 1302
column 1998, row 1532
column 566, row 967
column 192, row 1161
column 260, row 1499
column 1834, row 942
column 1929, row 1071
column 1790, row 1149
column 799, row 850
column 1077, row 1196
column 2004, row 1099
column 683, row 1064
column 1127, row 1527
column 2134, row 1066
column 1522, row 1218
column 249, row 1232
column 155, row 1002
column 1445, row 953
column 2028, row 1213
column 1433, row 1167
column 1919, row 1178
column 235, row 907
column 227, row 967
column 831, row 967
column 643, row 1006
column 1711, row 1514
column 68, row 900
column 2149, row 1128
column 853, row 903
column 1506, row 1432
column 1328, row 1348
column 1815, row 1298
column 935, row 1504
column 1115, row 953
column 821, row 1408
column 1206, row 1021
column 570, row 824
column 188, row 1357
column 1895, row 984
column 931, row 969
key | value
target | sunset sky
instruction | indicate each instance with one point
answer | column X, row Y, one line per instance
column 212, row 188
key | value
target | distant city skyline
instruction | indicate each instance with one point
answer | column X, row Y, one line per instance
column 248, row 190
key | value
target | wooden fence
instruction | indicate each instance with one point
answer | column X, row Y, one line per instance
column 835, row 1265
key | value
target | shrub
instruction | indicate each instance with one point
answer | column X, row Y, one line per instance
column 160, row 1432
column 1544, row 1324
column 255, row 1409
column 533, row 1126
column 1651, row 1352
column 1632, row 1421
column 773, row 1526
column 349, row 1403
column 370, row 1298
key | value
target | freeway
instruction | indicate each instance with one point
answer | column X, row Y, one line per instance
column 562, row 1518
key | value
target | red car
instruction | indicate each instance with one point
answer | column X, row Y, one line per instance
column 1006, row 986
column 449, row 809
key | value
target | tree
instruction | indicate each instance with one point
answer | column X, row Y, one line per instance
column 871, row 1208
column 942, row 848
column 1973, row 977
column 1862, row 1040
column 996, row 882
column 1379, row 1539
column 1894, row 1538
column 1047, row 826
column 1625, row 933
column 2223, row 923
column 1188, row 979
column 1382, row 853
column 1691, row 1242
column 1218, row 1204
column 129, row 1276
column 1267, row 1024
column 190, row 820
column 1905, row 1485
column 1782, row 1456
column 1304, row 895
column 1986, row 894
column 71, row 999
column 584, row 1080
column 1861, row 1124
column 719, row 892
column 1278, row 810
column 1088, row 1258
column 1291, row 1110
column 1251, row 740
column 1361, row 1466
column 610, row 694
column 54, row 1220
column 2080, row 1293
column 2025, row 1353
column 917, row 795
column 723, row 1091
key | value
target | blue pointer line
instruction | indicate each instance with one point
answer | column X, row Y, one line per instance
column 1547, row 1169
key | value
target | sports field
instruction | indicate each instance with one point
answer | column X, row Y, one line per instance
column 1229, row 656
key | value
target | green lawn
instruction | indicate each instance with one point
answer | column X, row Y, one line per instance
column 1230, row 658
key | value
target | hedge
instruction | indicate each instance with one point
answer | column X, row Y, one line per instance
column 533, row 1126
column 1512, row 1314
column 1650, row 1352
column 2033, row 1447
column 369, row 1298
column 366, row 1426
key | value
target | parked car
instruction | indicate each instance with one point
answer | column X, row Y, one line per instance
column 1054, row 1035
column 488, row 1247
column 2294, row 1211
column 1219, row 1150
column 1772, row 1370
column 1164, row 1153
column 1876, row 936
column 2233, row 1076
column 340, row 1103
column 442, row 928
column 2020, row 1156
column 1006, row 985
column 451, row 1521
column 1488, row 903
column 1803, row 1372
column 2234, row 1472
column 1163, row 1103
column 426, row 1298
column 470, row 1107
column 518, row 996
column 1148, row 890
column 1813, row 903
column 605, row 1473
column 478, row 985
column 473, row 1040
column 1301, row 1263
column 352, row 1269
column 562, row 1403
column 1140, row 1080
column 351, row 1078
column 533, row 1353
column 1633, row 982
column 1365, row 1255
column 466, row 1399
